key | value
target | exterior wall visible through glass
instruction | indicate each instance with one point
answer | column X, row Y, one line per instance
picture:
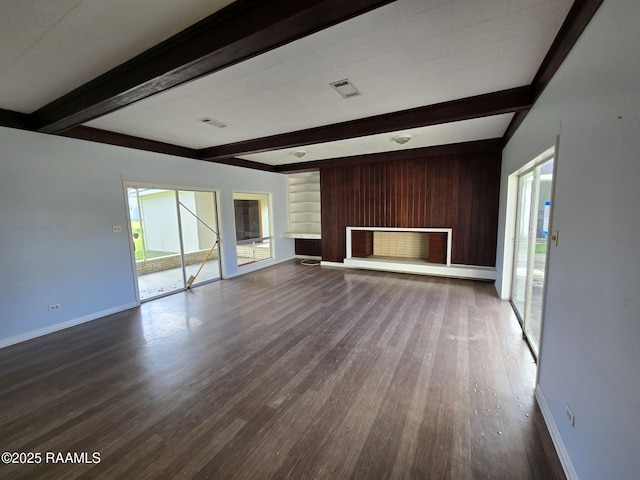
column 174, row 239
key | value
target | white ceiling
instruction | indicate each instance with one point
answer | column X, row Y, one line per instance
column 406, row 54
column 50, row 47
column 444, row 134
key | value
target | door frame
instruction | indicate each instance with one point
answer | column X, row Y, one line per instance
column 511, row 232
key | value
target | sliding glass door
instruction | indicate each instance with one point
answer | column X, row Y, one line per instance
column 199, row 230
column 174, row 237
column 531, row 240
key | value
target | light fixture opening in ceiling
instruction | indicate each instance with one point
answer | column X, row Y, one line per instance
column 299, row 153
column 401, row 139
column 345, row 88
column 213, row 122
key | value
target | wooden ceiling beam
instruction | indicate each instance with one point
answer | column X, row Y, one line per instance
column 505, row 101
column 242, row 30
column 129, row 141
column 11, row 119
column 577, row 20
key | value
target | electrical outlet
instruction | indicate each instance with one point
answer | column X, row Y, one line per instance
column 54, row 307
column 117, row 229
column 571, row 416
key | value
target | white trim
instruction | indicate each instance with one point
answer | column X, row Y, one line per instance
column 541, row 158
column 448, row 231
column 504, row 291
column 510, row 214
column 452, row 271
column 547, row 262
column 221, row 228
column 61, row 326
column 167, row 186
column 326, row 263
column 132, row 253
column 308, row 257
column 563, row 454
column 301, row 235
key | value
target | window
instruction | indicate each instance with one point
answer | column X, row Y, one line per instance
column 252, row 213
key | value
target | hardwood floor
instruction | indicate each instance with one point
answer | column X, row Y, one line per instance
column 291, row 372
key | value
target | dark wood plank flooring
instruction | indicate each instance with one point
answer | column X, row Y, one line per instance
column 292, row 372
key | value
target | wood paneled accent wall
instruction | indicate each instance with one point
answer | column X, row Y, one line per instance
column 458, row 191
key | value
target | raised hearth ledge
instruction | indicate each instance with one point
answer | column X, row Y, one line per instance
column 472, row 272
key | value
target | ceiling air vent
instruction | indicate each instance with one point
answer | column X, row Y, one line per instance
column 212, row 122
column 345, row 88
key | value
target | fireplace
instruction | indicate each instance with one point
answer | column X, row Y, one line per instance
column 414, row 245
column 423, row 251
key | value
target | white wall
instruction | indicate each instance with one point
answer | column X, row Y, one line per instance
column 591, row 339
column 59, row 199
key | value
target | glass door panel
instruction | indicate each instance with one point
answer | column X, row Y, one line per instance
column 543, row 178
column 200, row 236
column 156, row 240
column 532, row 226
column 519, row 289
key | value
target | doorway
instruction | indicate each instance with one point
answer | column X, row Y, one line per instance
column 175, row 238
column 535, row 187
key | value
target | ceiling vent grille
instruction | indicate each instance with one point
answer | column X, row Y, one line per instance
column 345, row 88
column 213, row 122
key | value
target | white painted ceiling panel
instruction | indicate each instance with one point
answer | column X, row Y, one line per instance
column 409, row 53
column 50, row 47
column 454, row 132
column 471, row 13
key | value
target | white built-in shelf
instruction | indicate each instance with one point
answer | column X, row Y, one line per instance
column 304, row 205
column 302, row 235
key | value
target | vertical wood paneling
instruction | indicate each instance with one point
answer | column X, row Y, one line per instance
column 454, row 191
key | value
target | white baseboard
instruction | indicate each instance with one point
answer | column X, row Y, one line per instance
column 308, row 257
column 325, row 263
column 563, row 454
column 5, row 342
column 255, row 266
